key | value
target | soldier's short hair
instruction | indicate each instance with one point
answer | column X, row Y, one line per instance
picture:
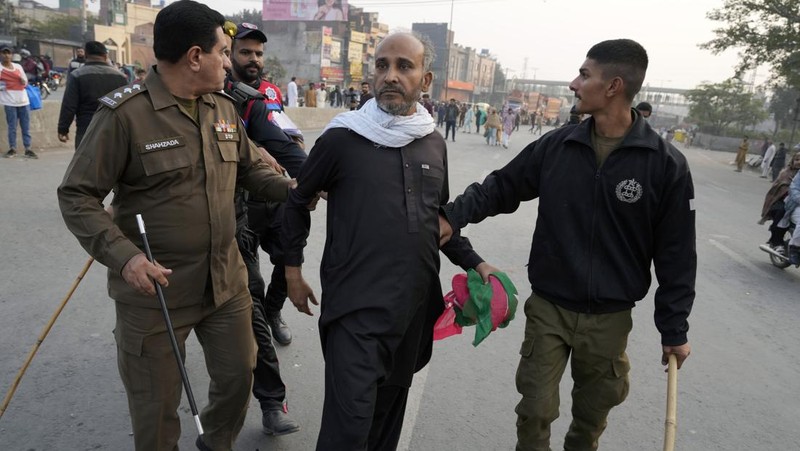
column 622, row 58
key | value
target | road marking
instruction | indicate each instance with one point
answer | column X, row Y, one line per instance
column 412, row 408
column 739, row 259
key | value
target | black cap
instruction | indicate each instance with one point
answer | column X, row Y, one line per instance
column 250, row 31
column 4, row 47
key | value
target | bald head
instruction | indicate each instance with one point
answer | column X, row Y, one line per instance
column 401, row 73
column 426, row 46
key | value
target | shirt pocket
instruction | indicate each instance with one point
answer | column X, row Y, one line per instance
column 160, row 161
column 229, row 154
column 229, row 151
column 432, row 181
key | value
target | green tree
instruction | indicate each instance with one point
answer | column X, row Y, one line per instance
column 715, row 106
column 764, row 31
column 252, row 16
column 58, row 27
column 274, row 68
column 782, row 106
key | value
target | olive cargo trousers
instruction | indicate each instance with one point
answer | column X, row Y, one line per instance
column 596, row 344
column 152, row 380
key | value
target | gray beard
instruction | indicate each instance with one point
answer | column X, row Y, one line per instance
column 397, row 109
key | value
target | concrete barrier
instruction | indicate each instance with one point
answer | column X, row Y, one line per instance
column 44, row 125
column 312, row 118
column 44, row 129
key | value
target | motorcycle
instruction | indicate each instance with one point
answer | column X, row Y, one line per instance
column 44, row 90
column 54, row 80
column 779, row 255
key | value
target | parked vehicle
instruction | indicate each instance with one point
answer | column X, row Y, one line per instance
column 54, row 79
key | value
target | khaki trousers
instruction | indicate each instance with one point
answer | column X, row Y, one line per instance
column 596, row 344
column 741, row 158
column 152, row 380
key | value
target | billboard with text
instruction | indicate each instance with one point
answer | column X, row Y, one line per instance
column 301, row 10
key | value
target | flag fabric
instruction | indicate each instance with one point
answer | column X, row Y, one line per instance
column 486, row 306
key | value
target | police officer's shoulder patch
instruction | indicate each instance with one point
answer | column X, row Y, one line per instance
column 119, row 96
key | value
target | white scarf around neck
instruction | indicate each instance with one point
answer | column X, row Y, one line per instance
column 383, row 128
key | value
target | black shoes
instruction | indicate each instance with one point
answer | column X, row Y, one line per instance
column 280, row 331
column 28, row 154
column 278, row 422
column 201, row 444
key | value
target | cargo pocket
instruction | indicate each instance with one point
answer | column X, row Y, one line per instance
column 615, row 385
column 133, row 368
column 527, row 347
column 526, row 374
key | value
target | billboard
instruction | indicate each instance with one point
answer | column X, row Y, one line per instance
column 301, row 10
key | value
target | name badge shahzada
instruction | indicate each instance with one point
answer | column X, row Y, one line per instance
column 226, row 130
column 163, row 144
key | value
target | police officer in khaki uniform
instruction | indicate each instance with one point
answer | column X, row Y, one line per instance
column 172, row 149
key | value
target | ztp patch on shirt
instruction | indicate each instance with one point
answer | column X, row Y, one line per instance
column 163, row 144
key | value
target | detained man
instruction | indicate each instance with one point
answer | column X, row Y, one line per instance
column 385, row 171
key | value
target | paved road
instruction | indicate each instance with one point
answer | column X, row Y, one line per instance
column 738, row 391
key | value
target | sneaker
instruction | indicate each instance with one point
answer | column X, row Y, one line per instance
column 278, row 422
column 280, row 331
column 10, row 154
column 794, row 255
column 29, row 154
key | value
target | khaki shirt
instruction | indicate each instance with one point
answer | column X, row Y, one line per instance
column 180, row 176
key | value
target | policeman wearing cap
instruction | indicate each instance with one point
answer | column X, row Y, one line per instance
column 85, row 86
column 174, row 150
column 257, row 223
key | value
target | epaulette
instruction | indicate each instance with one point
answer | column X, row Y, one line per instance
column 225, row 95
column 117, row 97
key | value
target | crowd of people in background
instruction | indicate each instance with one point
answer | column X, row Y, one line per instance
column 21, row 69
column 495, row 124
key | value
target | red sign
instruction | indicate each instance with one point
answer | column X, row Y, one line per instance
column 332, row 73
column 462, row 85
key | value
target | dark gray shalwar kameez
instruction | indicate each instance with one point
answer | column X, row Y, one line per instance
column 380, row 284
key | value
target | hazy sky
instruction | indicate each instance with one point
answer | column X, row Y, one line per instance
column 554, row 35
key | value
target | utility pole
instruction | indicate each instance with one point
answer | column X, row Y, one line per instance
column 449, row 49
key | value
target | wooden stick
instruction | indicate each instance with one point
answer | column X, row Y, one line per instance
column 42, row 336
column 671, row 423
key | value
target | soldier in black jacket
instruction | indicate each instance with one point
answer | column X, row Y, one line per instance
column 84, row 86
column 613, row 198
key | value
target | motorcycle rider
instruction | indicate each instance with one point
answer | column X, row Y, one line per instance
column 33, row 67
column 774, row 203
column 793, row 215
